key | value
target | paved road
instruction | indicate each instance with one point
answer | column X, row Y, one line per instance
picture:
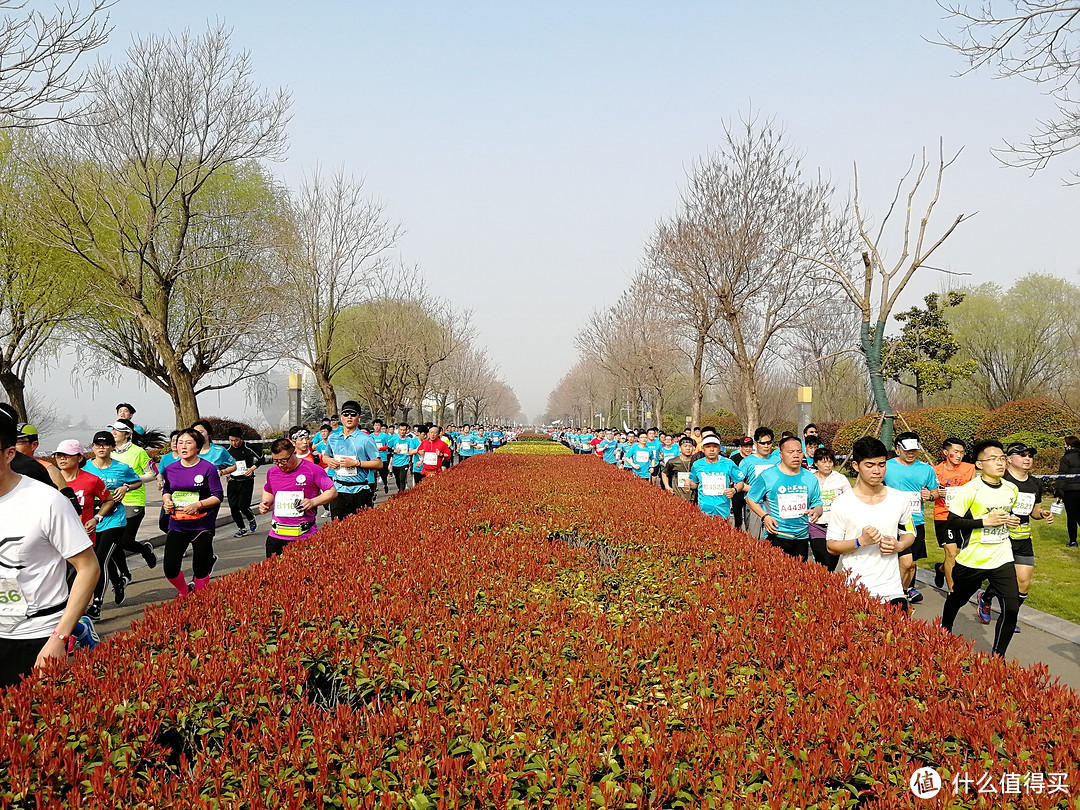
column 1059, row 650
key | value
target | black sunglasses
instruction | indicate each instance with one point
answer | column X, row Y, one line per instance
column 350, row 413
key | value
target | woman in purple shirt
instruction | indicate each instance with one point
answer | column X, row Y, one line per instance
column 191, row 493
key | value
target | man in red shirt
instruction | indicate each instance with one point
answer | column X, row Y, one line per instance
column 433, row 451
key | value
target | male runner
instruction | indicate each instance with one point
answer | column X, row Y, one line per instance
column 952, row 473
column 715, row 479
column 751, row 467
column 403, row 445
column 382, row 444
column 353, row 458
column 295, row 489
column 907, row 474
column 794, row 499
column 676, row 475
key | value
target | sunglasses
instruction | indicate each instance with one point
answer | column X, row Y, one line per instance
column 350, row 413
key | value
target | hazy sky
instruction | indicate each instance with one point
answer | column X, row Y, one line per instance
column 528, row 148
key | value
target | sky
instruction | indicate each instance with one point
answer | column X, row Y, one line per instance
column 529, row 148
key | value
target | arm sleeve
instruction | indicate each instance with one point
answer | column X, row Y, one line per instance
column 964, row 523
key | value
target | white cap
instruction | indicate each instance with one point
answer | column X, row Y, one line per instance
column 910, row 444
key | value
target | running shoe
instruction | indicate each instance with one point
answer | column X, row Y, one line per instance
column 93, row 612
column 913, row 596
column 119, row 591
column 1016, row 629
column 240, row 533
column 939, row 575
column 1072, row 544
column 984, row 607
column 149, row 555
column 253, row 526
column 127, row 577
column 86, row 635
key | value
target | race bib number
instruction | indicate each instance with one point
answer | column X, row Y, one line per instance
column 241, row 468
column 827, row 498
column 287, row 504
column 994, row 534
column 791, row 505
column 466, row 445
column 952, row 495
column 349, row 467
column 915, row 502
column 1025, row 502
column 682, row 480
column 401, row 449
column 183, row 499
column 12, row 604
column 641, row 456
column 431, row 458
column 713, row 484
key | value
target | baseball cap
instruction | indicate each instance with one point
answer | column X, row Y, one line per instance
column 122, row 425
column 104, row 437
column 1019, row 448
column 746, row 441
column 70, row 447
column 710, row 439
column 27, row 432
column 909, row 444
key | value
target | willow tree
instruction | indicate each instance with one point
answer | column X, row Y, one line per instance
column 160, row 196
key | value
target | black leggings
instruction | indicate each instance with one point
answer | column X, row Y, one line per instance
column 384, row 473
column 202, row 558
column 107, row 549
column 417, row 478
column 1071, row 500
column 1003, row 581
column 239, row 493
column 401, row 477
column 128, row 543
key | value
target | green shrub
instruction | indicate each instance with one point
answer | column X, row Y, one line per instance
column 729, row 428
column 1034, row 438
column 959, row 421
column 1034, row 415
column 673, row 423
column 930, row 434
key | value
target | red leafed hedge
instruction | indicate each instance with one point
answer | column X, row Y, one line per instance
column 524, row 632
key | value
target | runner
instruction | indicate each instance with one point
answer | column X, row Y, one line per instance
column 794, row 500
column 120, row 479
column 433, row 452
column 744, row 448
column 467, row 443
column 981, row 514
column 810, row 447
column 676, row 477
column 382, row 444
column 42, row 536
column 241, row 486
column 295, row 489
column 129, row 453
column 751, row 467
column 166, row 460
column 1028, row 508
column 419, row 433
column 640, row 457
column 952, row 473
column 335, row 422
column 191, row 492
column 832, row 484
column 1067, row 490
column 125, row 410
column 715, row 478
column 27, row 445
column 215, row 454
column 907, row 474
column 609, row 448
column 869, row 524
column 403, row 446
column 320, row 440
column 353, row 458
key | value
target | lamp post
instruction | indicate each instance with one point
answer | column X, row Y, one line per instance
column 296, row 385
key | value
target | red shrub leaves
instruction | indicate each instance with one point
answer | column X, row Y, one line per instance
column 471, row 645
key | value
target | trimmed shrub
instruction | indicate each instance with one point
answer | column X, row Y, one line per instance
column 1035, row 415
column 674, row 423
column 961, row 421
column 930, row 434
column 1040, row 441
column 222, row 425
column 827, row 432
column 729, row 428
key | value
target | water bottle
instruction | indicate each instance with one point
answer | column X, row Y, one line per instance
column 85, row 634
column 1056, row 508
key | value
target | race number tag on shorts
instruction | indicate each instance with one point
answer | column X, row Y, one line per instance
column 431, row 458
column 12, row 604
column 682, row 479
column 287, row 504
column 994, row 534
column 1025, row 502
column 713, row 484
column 791, row 504
column 348, row 468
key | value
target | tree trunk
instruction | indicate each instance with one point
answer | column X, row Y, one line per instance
column 15, row 388
column 871, row 349
column 181, row 391
column 326, row 388
column 751, row 400
column 696, row 383
column 658, row 414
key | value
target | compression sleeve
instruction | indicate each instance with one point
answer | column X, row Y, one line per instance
column 963, row 524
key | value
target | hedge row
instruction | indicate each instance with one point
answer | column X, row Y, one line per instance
column 527, row 632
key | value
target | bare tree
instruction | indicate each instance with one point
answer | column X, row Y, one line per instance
column 160, row 196
column 39, row 57
column 1037, row 41
column 876, row 282
column 747, row 220
column 335, row 244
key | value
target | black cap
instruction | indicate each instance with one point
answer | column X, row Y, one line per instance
column 104, row 437
column 350, row 405
column 746, row 441
column 1019, row 448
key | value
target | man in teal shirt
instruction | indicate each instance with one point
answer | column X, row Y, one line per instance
column 793, row 497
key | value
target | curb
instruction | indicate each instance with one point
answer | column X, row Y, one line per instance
column 1048, row 623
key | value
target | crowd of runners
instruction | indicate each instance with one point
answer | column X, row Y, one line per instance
column 787, row 491
column 70, row 519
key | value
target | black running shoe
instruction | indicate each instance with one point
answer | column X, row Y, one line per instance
column 149, row 555
column 939, row 575
column 119, row 591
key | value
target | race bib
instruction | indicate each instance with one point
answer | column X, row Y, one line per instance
column 466, row 446
column 287, row 504
column 431, row 458
column 12, row 604
column 1025, row 502
column 952, row 494
column 182, row 499
column 915, row 502
column 241, row 468
column 641, row 456
column 401, row 449
column 349, row 467
column 713, row 484
column 994, row 534
column 791, row 505
column 827, row 498
column 682, row 480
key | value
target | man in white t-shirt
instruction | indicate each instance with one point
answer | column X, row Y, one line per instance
column 39, row 535
column 870, row 524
